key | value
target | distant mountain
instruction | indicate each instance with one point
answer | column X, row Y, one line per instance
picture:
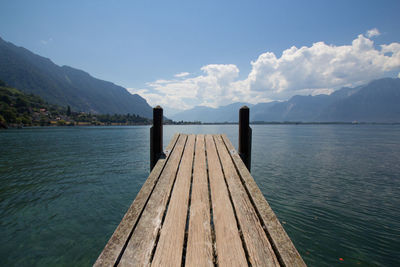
column 378, row 101
column 298, row 108
column 227, row 113
column 64, row 85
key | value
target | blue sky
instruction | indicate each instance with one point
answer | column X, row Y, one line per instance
column 143, row 45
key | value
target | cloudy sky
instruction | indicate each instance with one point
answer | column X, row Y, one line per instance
column 180, row 54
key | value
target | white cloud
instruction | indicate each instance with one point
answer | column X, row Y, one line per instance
column 46, row 42
column 181, row 75
column 373, row 32
column 320, row 68
column 154, row 98
column 322, row 91
column 210, row 89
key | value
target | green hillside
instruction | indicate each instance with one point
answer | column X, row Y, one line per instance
column 19, row 109
column 31, row 73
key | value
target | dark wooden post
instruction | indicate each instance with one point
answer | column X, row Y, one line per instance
column 156, row 136
column 245, row 133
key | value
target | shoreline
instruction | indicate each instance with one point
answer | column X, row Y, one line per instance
column 207, row 123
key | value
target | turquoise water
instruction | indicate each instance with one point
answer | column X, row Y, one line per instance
column 335, row 188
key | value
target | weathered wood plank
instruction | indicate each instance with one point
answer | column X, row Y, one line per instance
column 283, row 246
column 258, row 247
column 140, row 246
column 170, row 245
column 265, row 242
column 229, row 246
column 112, row 250
column 199, row 243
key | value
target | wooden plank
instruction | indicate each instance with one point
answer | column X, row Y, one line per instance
column 199, row 243
column 283, row 246
column 139, row 249
column 170, row 245
column 258, row 247
column 229, row 246
column 111, row 252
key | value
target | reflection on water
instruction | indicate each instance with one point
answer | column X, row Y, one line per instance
column 335, row 188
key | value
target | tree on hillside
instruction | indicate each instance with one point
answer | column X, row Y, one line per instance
column 3, row 123
column 68, row 111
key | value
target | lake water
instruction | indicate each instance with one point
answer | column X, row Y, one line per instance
column 335, row 188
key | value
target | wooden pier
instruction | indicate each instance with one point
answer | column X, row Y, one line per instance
column 200, row 206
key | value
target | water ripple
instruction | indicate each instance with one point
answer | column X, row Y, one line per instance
column 335, row 189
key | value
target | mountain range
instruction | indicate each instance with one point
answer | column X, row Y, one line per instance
column 31, row 73
column 377, row 101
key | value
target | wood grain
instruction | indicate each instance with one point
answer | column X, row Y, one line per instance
column 283, row 246
column 235, row 200
column 139, row 249
column 258, row 247
column 199, row 244
column 170, row 244
column 113, row 249
column 229, row 247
